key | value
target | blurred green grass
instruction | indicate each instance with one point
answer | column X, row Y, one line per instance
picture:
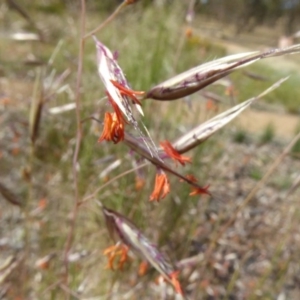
column 286, row 95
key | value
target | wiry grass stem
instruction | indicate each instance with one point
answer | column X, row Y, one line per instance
column 109, row 19
column 77, row 146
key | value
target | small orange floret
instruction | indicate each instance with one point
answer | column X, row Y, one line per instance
column 5, row 101
column 230, row 91
column 200, row 191
column 42, row 203
column 143, row 268
column 127, row 92
column 173, row 153
column 113, row 128
column 175, row 282
column 139, row 183
column 161, row 188
column 211, row 105
column 192, row 178
column 189, row 32
column 113, row 252
column 15, row 151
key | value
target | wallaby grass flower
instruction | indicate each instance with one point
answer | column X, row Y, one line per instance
column 121, row 96
column 114, row 81
column 185, row 143
column 128, row 237
column 162, row 187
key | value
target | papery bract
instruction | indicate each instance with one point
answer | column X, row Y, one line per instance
column 203, row 75
column 200, row 133
column 119, row 91
column 111, row 74
column 122, row 229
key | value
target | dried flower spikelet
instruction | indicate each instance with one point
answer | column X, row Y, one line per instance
column 120, row 95
column 115, row 82
column 127, row 233
column 105, row 61
column 199, row 77
column 203, row 75
column 202, row 132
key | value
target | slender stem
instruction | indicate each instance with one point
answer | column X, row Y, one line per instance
column 183, row 37
column 179, row 50
column 93, row 195
column 26, row 208
column 77, row 202
column 109, row 19
column 26, row 211
column 78, row 143
column 69, row 291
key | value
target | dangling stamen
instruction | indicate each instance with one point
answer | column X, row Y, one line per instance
column 172, row 153
column 161, row 188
